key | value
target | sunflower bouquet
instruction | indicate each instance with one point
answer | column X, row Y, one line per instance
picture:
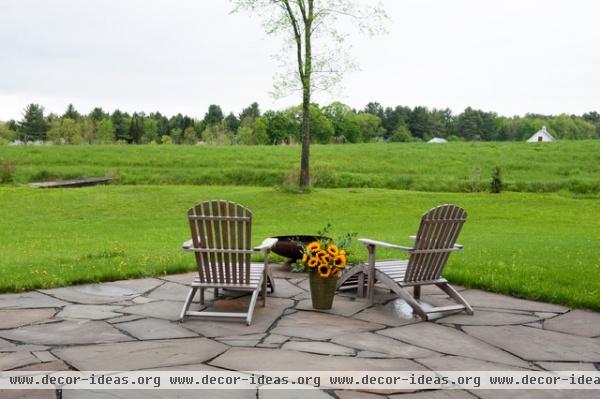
column 325, row 258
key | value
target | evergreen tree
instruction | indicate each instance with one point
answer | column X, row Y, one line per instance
column 97, row 114
column 71, row 113
column 214, row 116
column 251, row 111
column 33, row 125
column 232, row 122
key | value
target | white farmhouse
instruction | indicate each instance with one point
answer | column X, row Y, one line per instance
column 540, row 136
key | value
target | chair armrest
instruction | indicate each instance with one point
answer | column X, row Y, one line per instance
column 368, row 242
column 456, row 247
column 266, row 245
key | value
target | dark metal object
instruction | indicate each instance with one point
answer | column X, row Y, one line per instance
column 291, row 246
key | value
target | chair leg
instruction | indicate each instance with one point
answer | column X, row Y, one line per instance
column 264, row 290
column 187, row 303
column 251, row 307
column 201, row 296
column 371, row 274
column 216, row 293
column 417, row 292
column 452, row 293
column 360, row 289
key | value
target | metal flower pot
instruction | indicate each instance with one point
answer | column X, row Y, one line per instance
column 322, row 290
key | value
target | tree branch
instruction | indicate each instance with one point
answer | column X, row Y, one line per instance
column 297, row 36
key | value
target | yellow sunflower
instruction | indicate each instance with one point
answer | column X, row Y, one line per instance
column 324, row 271
column 305, row 258
column 342, row 252
column 314, row 246
column 339, row 261
column 312, row 262
column 336, row 272
column 333, row 250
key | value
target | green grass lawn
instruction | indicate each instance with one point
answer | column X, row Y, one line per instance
column 571, row 166
column 539, row 246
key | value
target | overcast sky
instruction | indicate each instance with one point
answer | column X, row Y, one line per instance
column 508, row 56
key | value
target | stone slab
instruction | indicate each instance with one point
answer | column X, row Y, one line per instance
column 539, row 345
column 388, row 347
column 483, row 299
column 341, row 306
column 461, row 363
column 563, row 366
column 55, row 365
column 304, row 325
column 24, row 348
column 29, row 300
column 168, row 310
column 576, row 322
column 13, row 360
column 285, row 289
column 154, row 329
column 5, row 345
column 450, row 341
column 44, row 356
column 487, row 318
column 141, row 285
column 275, row 359
column 242, row 340
column 27, row 394
column 11, row 318
column 394, row 313
column 93, row 294
column 122, row 319
column 170, row 292
column 90, row 312
column 67, row 332
column 322, row 348
column 261, row 321
column 141, row 354
column 181, row 278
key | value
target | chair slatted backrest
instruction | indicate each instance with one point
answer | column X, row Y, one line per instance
column 434, row 242
column 222, row 236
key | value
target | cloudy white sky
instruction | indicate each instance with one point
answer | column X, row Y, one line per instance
column 509, row 56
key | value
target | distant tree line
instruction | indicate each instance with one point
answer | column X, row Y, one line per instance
column 333, row 123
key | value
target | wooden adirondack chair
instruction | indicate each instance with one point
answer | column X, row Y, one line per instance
column 433, row 244
column 222, row 244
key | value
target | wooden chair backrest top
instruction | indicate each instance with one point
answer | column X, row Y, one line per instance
column 434, row 242
column 222, row 237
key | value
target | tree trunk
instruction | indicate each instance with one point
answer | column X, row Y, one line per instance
column 304, row 158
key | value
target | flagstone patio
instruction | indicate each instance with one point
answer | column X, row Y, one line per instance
column 132, row 325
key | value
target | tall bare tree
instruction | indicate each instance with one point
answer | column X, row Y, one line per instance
column 312, row 30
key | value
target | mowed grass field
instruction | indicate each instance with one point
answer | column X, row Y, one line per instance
column 571, row 167
column 539, row 246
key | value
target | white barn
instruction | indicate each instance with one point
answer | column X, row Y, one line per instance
column 541, row 135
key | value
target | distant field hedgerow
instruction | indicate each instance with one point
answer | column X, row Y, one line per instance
column 571, row 166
